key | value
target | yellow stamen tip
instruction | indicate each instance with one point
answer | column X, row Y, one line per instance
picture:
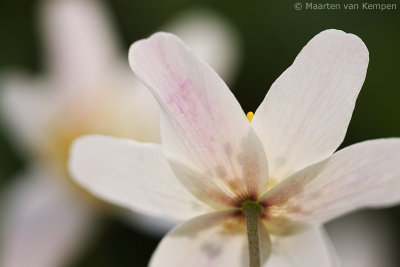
column 250, row 116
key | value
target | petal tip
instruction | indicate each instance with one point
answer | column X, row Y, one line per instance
column 339, row 34
column 155, row 38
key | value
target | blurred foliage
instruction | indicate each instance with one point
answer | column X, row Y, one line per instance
column 273, row 33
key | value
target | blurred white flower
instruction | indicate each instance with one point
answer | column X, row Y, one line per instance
column 88, row 87
column 276, row 179
column 42, row 222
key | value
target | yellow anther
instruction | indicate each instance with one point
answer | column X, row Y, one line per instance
column 250, row 116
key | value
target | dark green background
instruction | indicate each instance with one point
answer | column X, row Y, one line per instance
column 272, row 33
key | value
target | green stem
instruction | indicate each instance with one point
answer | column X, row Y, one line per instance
column 252, row 211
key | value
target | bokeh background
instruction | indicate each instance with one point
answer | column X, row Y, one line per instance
column 271, row 34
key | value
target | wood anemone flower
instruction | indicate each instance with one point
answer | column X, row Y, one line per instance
column 251, row 193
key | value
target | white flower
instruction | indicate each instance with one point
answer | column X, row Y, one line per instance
column 279, row 173
column 87, row 88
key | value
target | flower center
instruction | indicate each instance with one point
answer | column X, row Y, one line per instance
column 252, row 206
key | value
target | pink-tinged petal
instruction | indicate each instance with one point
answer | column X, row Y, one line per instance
column 80, row 42
column 366, row 174
column 43, row 224
column 213, row 240
column 310, row 247
column 211, row 37
column 304, row 117
column 202, row 125
column 131, row 174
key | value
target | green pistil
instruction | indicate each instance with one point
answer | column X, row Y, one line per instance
column 252, row 211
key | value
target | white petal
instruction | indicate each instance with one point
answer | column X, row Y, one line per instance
column 215, row 239
column 202, row 125
column 308, row 248
column 211, row 37
column 27, row 105
column 366, row 174
column 80, row 41
column 132, row 174
column 43, row 224
column 304, row 117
